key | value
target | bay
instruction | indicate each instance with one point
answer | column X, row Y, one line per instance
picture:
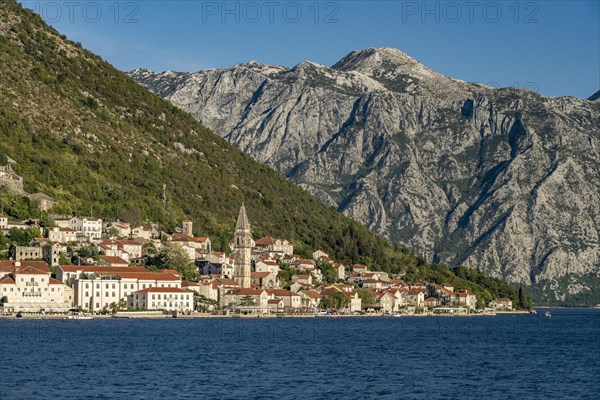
column 512, row 356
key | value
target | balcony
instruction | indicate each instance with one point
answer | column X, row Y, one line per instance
column 32, row 294
column 31, row 283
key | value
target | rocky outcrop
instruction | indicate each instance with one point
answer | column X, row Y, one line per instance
column 502, row 179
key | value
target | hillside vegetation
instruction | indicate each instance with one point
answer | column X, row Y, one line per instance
column 90, row 137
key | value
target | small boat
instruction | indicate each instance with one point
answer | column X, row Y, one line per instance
column 533, row 312
column 547, row 314
column 79, row 317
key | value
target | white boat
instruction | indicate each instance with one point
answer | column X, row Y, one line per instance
column 547, row 314
column 79, row 317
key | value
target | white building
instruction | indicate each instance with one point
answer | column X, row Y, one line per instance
column 196, row 242
column 29, row 289
column 278, row 247
column 267, row 266
column 501, row 304
column 90, row 227
column 61, row 235
column 98, row 290
column 162, row 298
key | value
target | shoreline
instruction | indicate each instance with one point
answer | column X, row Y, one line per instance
column 258, row 316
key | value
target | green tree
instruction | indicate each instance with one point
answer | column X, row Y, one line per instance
column 329, row 273
column 131, row 214
column 204, row 304
column 334, row 301
column 247, row 301
column 524, row 302
column 4, row 299
column 22, row 237
column 367, row 298
column 174, row 257
column 89, row 251
column 149, row 249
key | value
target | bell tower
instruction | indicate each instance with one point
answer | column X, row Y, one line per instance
column 243, row 255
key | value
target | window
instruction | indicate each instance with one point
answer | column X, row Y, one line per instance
column 97, row 305
column 86, row 294
column 125, row 286
column 113, row 294
column 97, row 294
column 114, row 286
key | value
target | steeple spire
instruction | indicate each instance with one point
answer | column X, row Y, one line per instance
column 243, row 243
column 242, row 222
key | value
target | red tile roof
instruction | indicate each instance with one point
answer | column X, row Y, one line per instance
column 9, row 265
column 100, row 269
column 257, row 275
column 162, row 290
column 311, row 293
column 282, row 293
column 270, row 263
column 113, row 260
column 265, row 241
column 145, row 276
column 225, row 281
column 8, row 279
column 182, row 237
column 30, row 271
column 131, row 242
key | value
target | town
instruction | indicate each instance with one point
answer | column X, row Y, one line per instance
column 88, row 266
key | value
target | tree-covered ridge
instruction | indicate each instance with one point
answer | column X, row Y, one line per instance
column 90, row 137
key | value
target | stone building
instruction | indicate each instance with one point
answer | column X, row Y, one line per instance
column 243, row 253
column 9, row 178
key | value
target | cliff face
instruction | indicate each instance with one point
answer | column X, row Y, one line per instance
column 502, row 179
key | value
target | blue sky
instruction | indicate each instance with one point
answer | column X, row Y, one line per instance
column 552, row 47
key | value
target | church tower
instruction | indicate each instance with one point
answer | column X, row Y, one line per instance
column 242, row 241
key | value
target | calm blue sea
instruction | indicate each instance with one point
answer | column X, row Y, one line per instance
column 501, row 357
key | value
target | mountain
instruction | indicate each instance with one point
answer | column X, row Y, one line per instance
column 595, row 96
column 500, row 179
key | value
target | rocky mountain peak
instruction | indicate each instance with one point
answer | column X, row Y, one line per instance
column 384, row 62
